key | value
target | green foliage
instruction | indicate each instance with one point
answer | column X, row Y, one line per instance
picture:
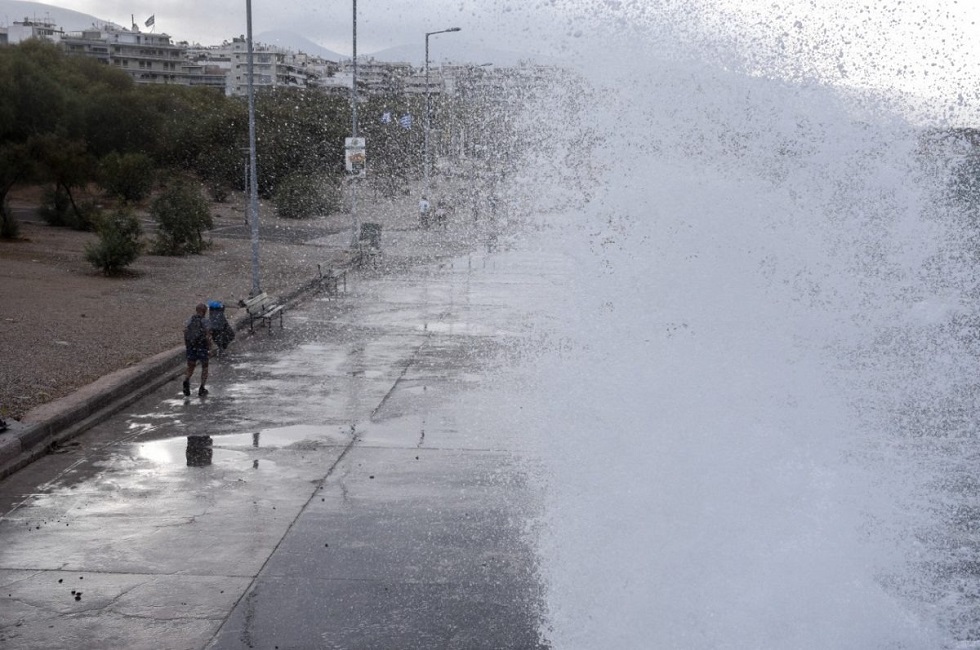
column 394, row 155
column 300, row 131
column 128, row 176
column 66, row 163
column 14, row 164
column 57, row 209
column 72, row 110
column 9, row 226
column 182, row 215
column 121, row 121
column 119, row 243
column 32, row 101
column 301, row 196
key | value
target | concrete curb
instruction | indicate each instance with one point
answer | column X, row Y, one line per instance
column 63, row 419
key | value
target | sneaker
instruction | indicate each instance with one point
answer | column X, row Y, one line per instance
column 202, row 391
column 187, row 387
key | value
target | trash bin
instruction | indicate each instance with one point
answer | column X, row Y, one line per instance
column 371, row 234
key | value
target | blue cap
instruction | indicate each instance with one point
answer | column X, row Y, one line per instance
column 215, row 304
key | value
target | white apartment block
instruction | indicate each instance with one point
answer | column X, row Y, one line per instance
column 27, row 29
column 147, row 58
column 378, row 77
column 272, row 67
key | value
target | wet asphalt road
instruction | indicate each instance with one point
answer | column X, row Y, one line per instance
column 344, row 485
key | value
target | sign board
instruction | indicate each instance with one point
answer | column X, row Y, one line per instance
column 355, row 157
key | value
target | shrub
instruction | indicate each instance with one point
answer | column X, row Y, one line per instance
column 87, row 216
column 119, row 243
column 302, row 196
column 219, row 193
column 9, row 226
column 128, row 176
column 57, row 209
column 182, row 216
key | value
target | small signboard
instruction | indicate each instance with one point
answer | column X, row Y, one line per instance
column 355, row 156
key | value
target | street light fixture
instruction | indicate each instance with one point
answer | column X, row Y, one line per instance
column 428, row 106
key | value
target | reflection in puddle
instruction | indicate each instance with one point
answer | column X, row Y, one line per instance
column 198, row 450
column 284, row 436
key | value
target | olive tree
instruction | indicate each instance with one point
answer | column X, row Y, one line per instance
column 182, row 216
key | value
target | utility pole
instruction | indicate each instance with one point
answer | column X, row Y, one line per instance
column 428, row 111
column 253, row 209
column 354, row 179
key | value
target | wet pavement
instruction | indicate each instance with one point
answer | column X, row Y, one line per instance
column 343, row 485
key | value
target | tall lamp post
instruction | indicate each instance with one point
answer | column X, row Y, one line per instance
column 428, row 107
column 353, row 102
column 253, row 206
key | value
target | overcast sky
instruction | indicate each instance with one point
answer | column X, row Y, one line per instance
column 381, row 23
column 929, row 47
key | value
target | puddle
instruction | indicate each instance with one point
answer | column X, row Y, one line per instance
column 205, row 450
column 282, row 437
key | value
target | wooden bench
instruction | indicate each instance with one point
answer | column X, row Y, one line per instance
column 330, row 278
column 262, row 307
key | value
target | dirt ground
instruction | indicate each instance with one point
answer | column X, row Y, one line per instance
column 63, row 324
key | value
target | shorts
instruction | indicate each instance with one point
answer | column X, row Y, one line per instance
column 198, row 354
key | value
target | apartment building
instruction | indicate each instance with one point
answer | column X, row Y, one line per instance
column 272, row 67
column 27, row 29
column 378, row 77
column 147, row 58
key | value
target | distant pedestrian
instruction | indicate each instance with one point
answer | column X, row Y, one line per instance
column 440, row 213
column 424, row 212
column 197, row 340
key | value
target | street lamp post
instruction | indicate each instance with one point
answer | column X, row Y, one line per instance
column 353, row 101
column 253, row 206
column 428, row 108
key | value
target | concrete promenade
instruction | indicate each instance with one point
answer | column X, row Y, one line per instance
column 346, row 484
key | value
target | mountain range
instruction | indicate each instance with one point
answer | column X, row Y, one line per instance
column 67, row 19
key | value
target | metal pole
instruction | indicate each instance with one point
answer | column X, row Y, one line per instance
column 353, row 180
column 253, row 212
column 428, row 112
column 428, row 117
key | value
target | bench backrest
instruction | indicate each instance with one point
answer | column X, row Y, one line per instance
column 259, row 303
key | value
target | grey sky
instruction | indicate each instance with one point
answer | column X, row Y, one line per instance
column 381, row 24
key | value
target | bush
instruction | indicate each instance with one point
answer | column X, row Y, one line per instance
column 128, row 176
column 57, row 210
column 219, row 193
column 302, row 196
column 119, row 243
column 9, row 226
column 182, row 216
